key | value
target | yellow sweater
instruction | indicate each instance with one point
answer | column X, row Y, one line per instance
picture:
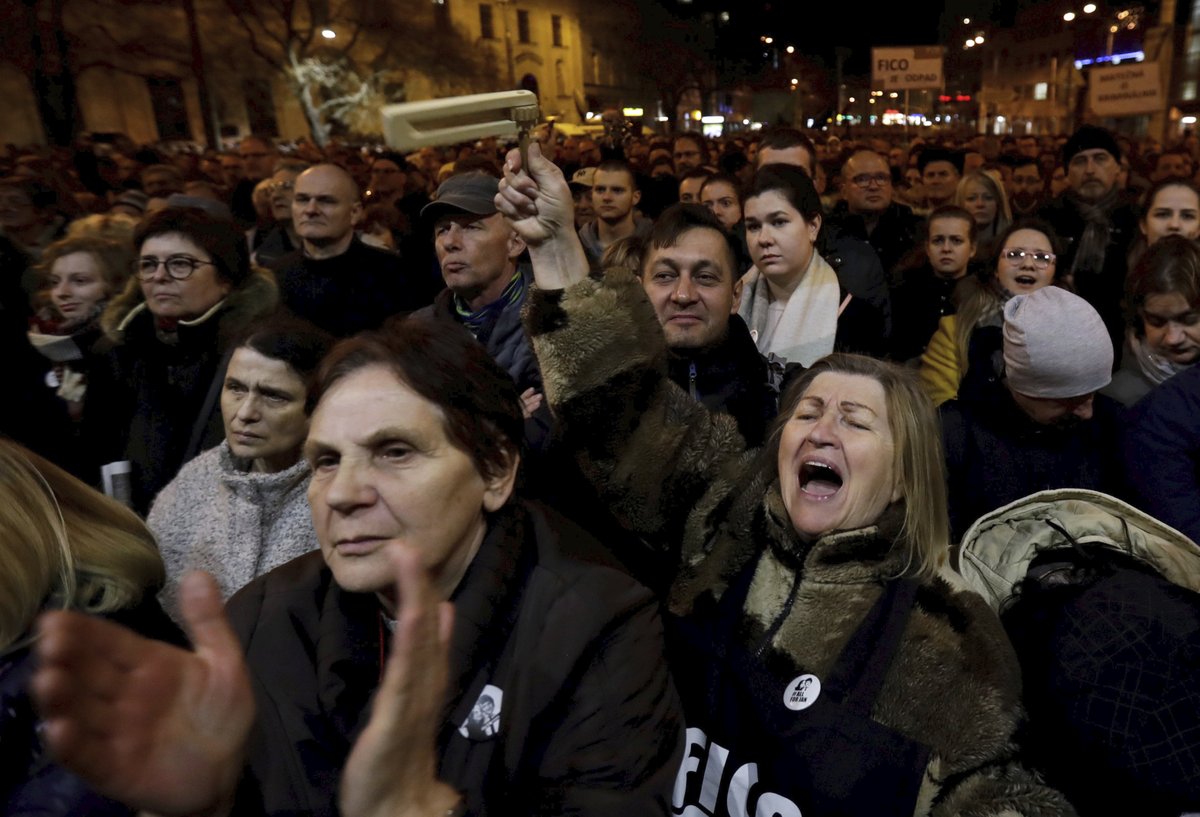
column 941, row 371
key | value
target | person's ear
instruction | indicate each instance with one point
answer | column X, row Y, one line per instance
column 737, row 294
column 516, row 245
column 356, row 213
column 499, row 487
column 637, row 196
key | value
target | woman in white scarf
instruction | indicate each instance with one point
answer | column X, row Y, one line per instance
column 1162, row 301
column 791, row 299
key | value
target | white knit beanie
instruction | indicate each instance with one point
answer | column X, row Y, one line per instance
column 1055, row 345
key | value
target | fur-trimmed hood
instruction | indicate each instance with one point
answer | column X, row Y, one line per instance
column 996, row 552
column 257, row 296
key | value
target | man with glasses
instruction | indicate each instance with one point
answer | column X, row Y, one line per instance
column 282, row 238
column 335, row 280
column 868, row 212
column 689, row 154
column 258, row 156
column 1097, row 223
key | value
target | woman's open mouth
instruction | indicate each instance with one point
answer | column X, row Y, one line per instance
column 1026, row 280
column 819, row 480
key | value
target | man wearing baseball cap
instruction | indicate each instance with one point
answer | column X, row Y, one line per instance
column 581, row 193
column 1097, row 222
column 1045, row 427
column 486, row 285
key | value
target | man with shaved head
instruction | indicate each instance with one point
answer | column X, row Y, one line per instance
column 334, row 279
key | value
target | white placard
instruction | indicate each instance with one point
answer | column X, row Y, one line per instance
column 1125, row 90
column 897, row 69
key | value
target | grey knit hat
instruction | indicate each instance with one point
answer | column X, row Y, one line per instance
column 1055, row 345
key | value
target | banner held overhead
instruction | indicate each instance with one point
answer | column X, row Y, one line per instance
column 912, row 68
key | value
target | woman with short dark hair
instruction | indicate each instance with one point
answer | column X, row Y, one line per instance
column 193, row 291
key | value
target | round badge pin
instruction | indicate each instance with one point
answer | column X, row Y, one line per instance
column 802, row 692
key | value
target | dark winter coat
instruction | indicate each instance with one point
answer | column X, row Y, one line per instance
column 156, row 403
column 895, row 235
column 588, row 720
column 351, row 292
column 995, row 454
column 731, row 377
column 1162, row 452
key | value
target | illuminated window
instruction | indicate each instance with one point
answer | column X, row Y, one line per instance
column 1040, row 90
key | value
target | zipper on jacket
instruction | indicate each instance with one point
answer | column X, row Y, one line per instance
column 692, row 381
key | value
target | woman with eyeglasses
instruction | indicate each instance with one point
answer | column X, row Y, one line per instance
column 965, row 354
column 193, row 291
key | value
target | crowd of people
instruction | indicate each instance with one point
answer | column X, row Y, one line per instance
column 776, row 474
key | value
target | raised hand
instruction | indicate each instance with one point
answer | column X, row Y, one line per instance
column 537, row 204
column 392, row 769
column 154, row 726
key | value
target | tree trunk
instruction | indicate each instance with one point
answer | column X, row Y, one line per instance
column 303, row 92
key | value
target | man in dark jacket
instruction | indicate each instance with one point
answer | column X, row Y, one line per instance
column 335, row 281
column 1045, row 427
column 689, row 274
column 868, row 212
column 486, row 286
column 526, row 673
column 1097, row 225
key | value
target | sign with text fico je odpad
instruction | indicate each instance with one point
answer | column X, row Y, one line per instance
column 912, row 68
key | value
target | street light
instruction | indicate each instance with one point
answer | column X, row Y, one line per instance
column 966, row 21
column 1069, row 16
column 851, row 99
column 791, row 49
column 328, row 33
column 1089, row 8
column 970, row 44
column 978, row 39
column 768, row 40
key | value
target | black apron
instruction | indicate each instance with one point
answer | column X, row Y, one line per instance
column 765, row 739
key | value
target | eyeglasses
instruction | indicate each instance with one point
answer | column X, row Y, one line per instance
column 866, row 179
column 1041, row 260
column 179, row 267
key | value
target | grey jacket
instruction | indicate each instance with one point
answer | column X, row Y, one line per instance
column 220, row 516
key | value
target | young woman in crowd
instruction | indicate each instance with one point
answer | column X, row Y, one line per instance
column 79, row 276
column 963, row 356
column 982, row 195
column 1171, row 207
column 791, row 298
column 1162, row 308
column 240, row 509
column 722, row 193
column 194, row 291
column 62, row 546
column 926, row 292
column 819, row 643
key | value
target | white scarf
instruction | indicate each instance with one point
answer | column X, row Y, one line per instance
column 806, row 331
column 1155, row 368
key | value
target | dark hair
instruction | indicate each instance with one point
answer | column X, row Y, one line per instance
column 1171, row 264
column 727, row 178
column 677, row 220
column 291, row 340
column 930, row 155
column 696, row 139
column 42, row 196
column 954, row 211
column 696, row 173
column 787, row 138
column 1040, row 226
column 1161, row 185
column 793, row 183
column 732, row 161
column 450, row 369
column 1021, row 161
column 619, row 166
column 219, row 237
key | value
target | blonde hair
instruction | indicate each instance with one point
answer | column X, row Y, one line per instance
column 919, row 464
column 981, row 301
column 115, row 258
column 63, row 544
column 990, row 181
column 116, row 227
